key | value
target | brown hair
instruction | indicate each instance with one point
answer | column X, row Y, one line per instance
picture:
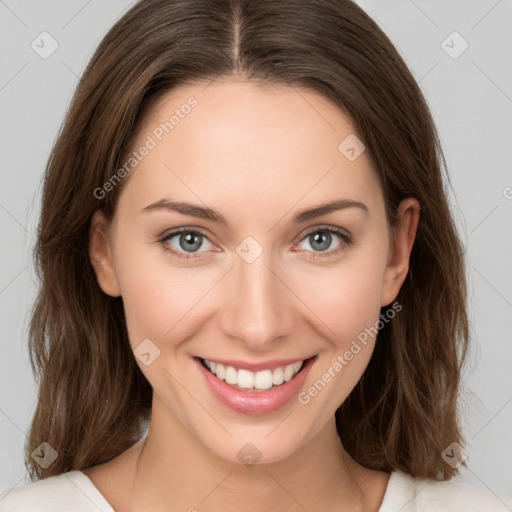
column 93, row 399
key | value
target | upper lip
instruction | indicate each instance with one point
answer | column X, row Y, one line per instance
column 254, row 367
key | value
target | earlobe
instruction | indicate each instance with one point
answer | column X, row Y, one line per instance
column 408, row 215
column 101, row 256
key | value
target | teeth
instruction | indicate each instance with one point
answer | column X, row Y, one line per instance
column 245, row 379
column 254, row 380
column 230, row 375
column 277, row 376
column 263, row 380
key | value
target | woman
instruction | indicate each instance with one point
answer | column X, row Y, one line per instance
column 252, row 290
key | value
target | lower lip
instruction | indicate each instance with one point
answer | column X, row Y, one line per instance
column 255, row 402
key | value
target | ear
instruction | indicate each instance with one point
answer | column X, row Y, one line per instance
column 101, row 256
column 408, row 215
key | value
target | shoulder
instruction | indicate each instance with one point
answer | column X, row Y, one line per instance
column 61, row 493
column 410, row 494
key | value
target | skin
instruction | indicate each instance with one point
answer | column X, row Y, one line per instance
column 257, row 155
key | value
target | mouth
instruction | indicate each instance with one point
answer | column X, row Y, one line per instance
column 266, row 389
column 269, row 377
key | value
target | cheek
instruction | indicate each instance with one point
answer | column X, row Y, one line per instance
column 157, row 294
column 346, row 296
column 158, row 300
column 347, row 300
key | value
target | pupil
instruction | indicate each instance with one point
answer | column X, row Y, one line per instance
column 323, row 239
column 192, row 241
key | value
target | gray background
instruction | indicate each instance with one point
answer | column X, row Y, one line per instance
column 471, row 100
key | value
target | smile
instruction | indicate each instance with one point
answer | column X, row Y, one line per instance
column 254, row 388
column 241, row 378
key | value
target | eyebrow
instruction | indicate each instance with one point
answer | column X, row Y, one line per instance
column 209, row 214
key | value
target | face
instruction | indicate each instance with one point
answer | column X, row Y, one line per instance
column 242, row 275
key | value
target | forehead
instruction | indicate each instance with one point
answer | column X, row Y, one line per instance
column 248, row 142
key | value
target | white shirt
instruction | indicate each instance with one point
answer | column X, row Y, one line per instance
column 74, row 492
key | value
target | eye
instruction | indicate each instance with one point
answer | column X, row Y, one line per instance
column 322, row 239
column 184, row 243
column 187, row 242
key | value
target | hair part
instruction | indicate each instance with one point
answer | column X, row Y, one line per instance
column 93, row 400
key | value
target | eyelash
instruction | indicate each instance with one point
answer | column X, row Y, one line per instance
column 347, row 241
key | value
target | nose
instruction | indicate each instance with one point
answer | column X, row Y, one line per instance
column 258, row 306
